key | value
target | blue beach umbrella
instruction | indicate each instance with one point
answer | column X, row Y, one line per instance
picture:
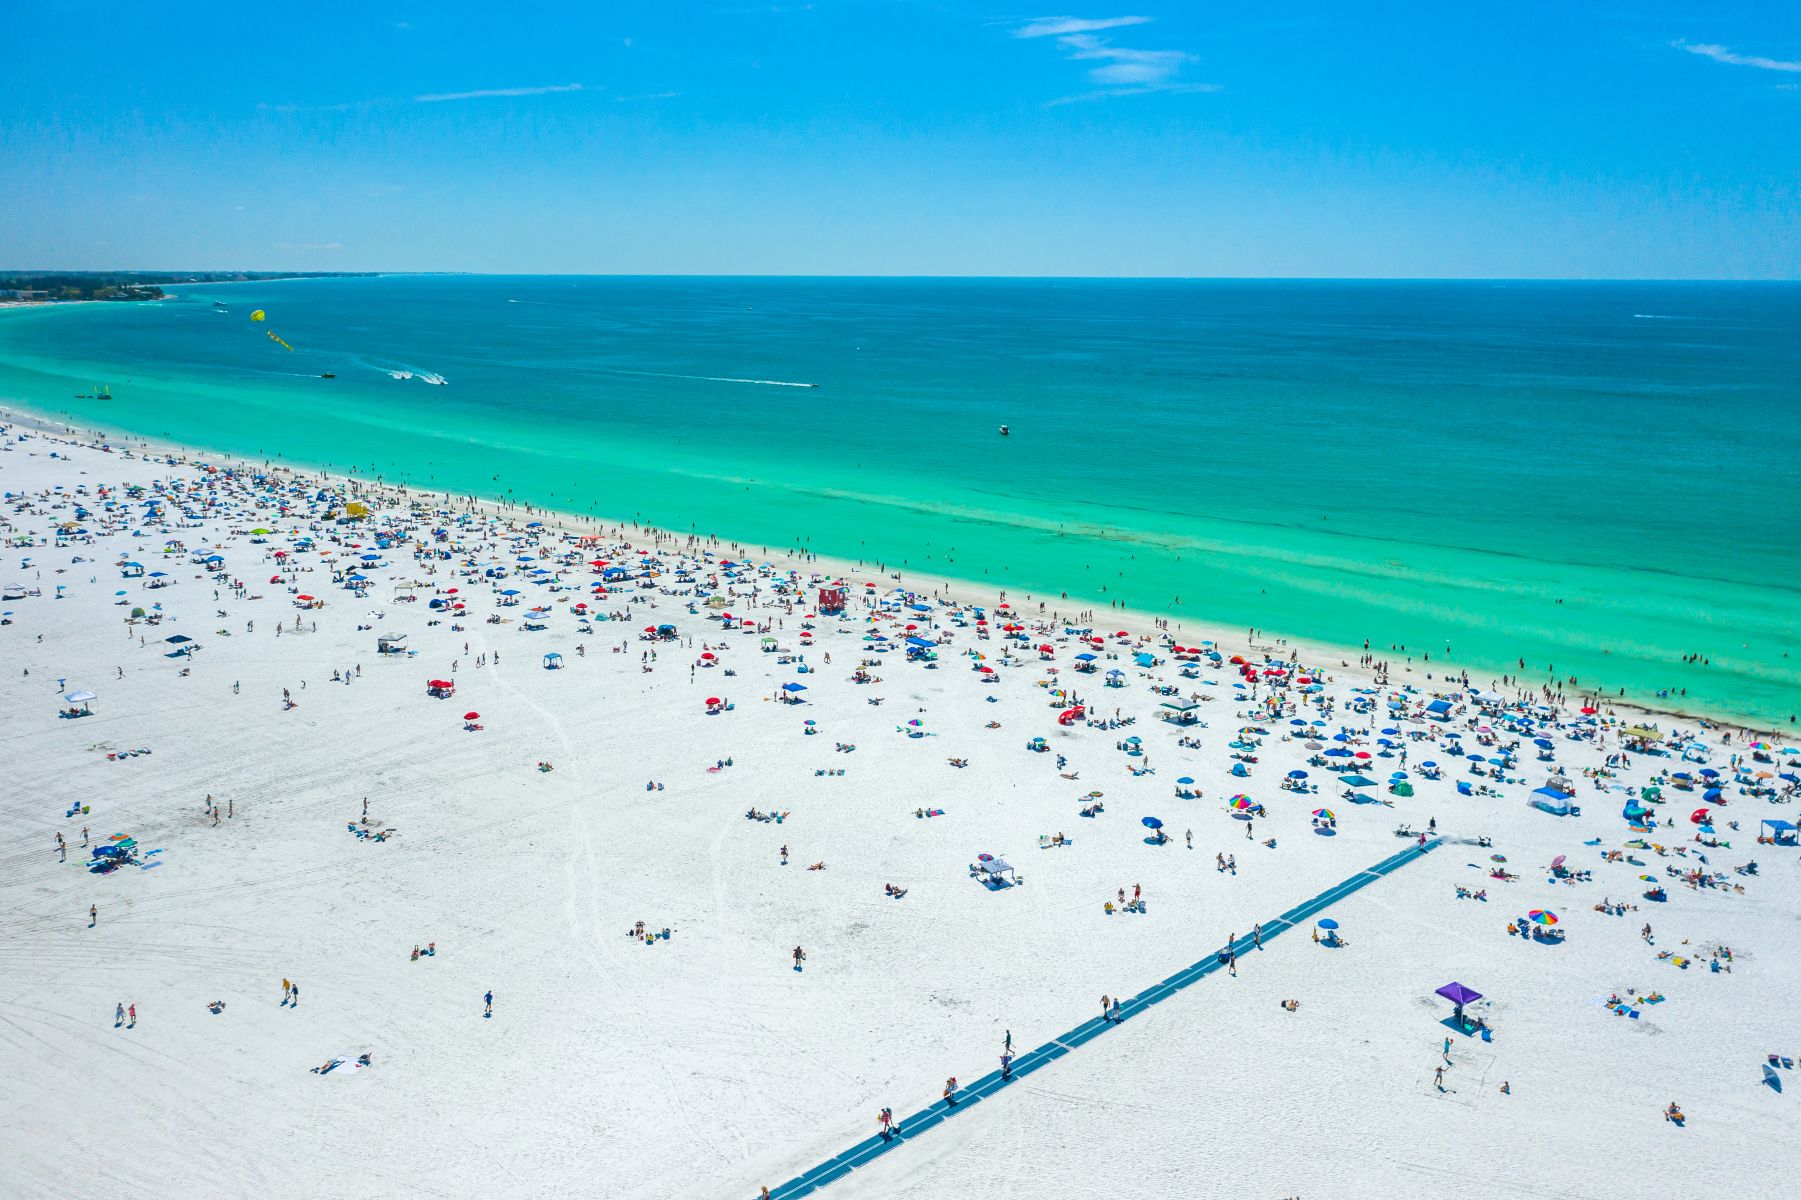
column 1151, row 823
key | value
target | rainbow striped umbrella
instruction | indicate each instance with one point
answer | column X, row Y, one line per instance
column 1540, row 916
column 1325, row 814
column 1239, row 802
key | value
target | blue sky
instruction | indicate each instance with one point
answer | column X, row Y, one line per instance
column 1326, row 138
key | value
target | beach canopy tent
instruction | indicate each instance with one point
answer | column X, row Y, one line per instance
column 1459, row 995
column 1779, row 833
column 1181, row 712
column 1439, row 709
column 81, row 698
column 1552, row 801
column 390, row 643
column 993, row 870
column 1646, row 733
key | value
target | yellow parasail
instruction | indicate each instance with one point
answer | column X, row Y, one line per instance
column 257, row 315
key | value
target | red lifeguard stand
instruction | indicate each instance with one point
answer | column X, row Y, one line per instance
column 831, row 600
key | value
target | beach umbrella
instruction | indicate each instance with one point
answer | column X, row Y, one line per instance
column 1239, row 802
column 1325, row 814
column 471, row 716
column 1297, row 774
column 1151, row 823
column 714, row 700
column 794, row 687
column 1540, row 916
column 1328, row 923
column 1185, row 781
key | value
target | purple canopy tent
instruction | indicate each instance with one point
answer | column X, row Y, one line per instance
column 1459, row 995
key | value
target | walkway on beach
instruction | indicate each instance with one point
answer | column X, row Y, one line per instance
column 874, row 1147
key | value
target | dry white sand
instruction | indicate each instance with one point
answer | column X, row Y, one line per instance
column 704, row 1065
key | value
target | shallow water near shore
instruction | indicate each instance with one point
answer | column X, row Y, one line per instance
column 1595, row 478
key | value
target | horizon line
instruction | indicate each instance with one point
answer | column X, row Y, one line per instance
column 291, row 274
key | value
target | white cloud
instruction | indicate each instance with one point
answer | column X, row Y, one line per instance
column 1122, row 70
column 1724, row 54
column 1059, row 26
column 488, row 93
column 1142, row 67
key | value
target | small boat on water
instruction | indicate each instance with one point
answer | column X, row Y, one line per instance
column 1005, row 431
column 327, row 375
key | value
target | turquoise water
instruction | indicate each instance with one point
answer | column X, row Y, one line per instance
column 1592, row 477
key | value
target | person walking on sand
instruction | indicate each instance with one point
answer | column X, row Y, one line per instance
column 1114, row 1013
column 950, row 1091
column 93, row 915
column 133, row 1013
column 800, row 956
column 1247, row 830
column 286, row 990
column 118, row 1016
column 1007, row 1042
column 488, row 1003
column 1257, row 935
column 1438, row 1078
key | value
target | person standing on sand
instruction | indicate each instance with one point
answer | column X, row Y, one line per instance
column 93, row 916
column 286, row 988
column 296, row 995
column 1105, row 1001
column 133, row 1012
column 1247, row 830
column 488, row 1003
column 119, row 1016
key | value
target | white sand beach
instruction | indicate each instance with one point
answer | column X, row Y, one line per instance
column 286, row 802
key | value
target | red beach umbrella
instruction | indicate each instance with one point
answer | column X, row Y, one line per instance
column 471, row 716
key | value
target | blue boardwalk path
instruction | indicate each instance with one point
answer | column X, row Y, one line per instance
column 867, row 1151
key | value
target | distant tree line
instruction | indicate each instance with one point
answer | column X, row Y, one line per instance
column 131, row 285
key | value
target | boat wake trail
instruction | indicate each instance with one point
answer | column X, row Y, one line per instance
column 719, row 379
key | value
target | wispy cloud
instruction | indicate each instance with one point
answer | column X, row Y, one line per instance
column 1725, row 54
column 1059, row 26
column 490, row 93
column 1121, row 70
